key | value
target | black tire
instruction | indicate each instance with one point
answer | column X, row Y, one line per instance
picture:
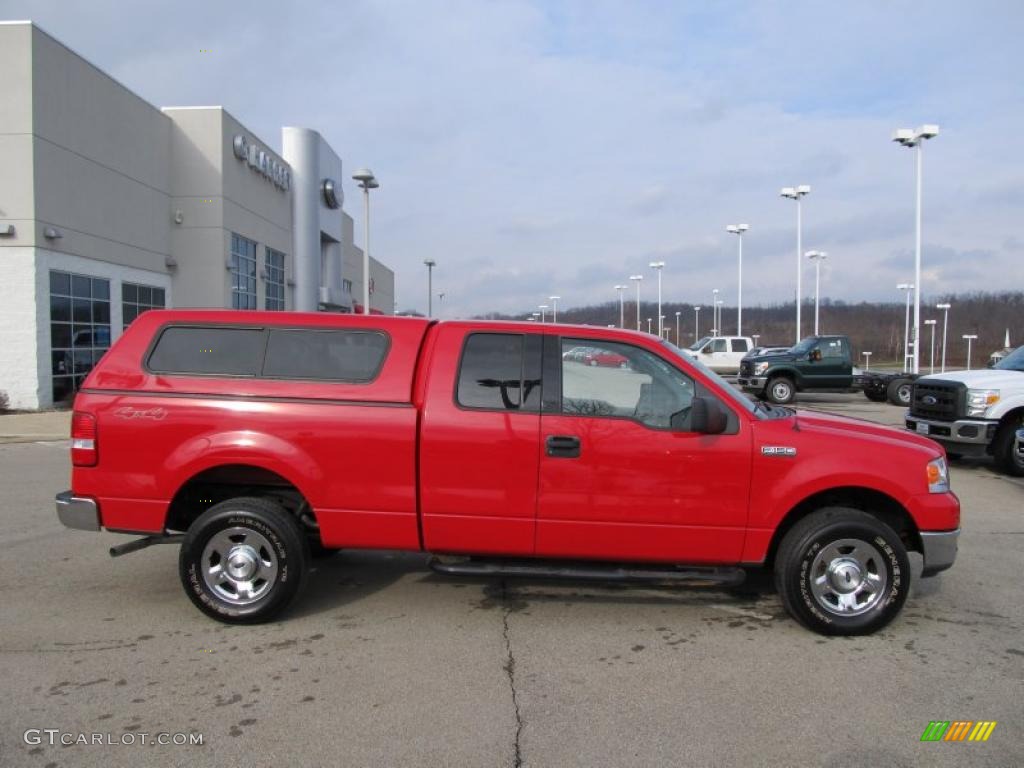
column 255, row 529
column 900, row 391
column 780, row 390
column 1003, row 447
column 875, row 396
column 803, row 559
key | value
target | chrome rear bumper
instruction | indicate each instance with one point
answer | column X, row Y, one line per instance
column 77, row 512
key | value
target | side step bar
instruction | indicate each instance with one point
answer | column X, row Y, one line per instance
column 586, row 571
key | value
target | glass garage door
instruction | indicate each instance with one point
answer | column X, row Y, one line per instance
column 79, row 329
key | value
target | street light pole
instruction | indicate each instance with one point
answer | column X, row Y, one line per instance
column 649, row 324
column 678, row 340
column 696, row 324
column 367, row 181
column 622, row 306
column 931, row 366
column 718, row 324
column 910, row 138
column 554, row 308
column 714, row 312
column 908, row 287
column 796, row 193
column 817, row 257
column 658, row 265
column 970, row 337
column 430, row 285
column 542, row 308
column 739, row 229
column 945, row 326
column 636, row 279
column 867, row 360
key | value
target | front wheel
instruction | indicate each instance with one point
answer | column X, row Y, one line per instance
column 1004, row 448
column 841, row 571
column 244, row 560
column 899, row 392
column 780, row 390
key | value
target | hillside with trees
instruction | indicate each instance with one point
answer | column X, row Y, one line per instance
column 872, row 326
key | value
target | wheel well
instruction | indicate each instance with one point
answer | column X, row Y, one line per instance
column 1011, row 415
column 214, row 485
column 876, row 503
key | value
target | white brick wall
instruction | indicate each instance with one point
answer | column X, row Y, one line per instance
column 19, row 348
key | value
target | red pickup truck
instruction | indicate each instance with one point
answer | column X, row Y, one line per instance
column 256, row 438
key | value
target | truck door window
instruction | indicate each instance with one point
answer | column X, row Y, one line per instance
column 493, row 374
column 739, row 345
column 622, row 381
column 719, row 345
column 831, row 349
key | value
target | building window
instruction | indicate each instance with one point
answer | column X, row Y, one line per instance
column 137, row 298
column 79, row 329
column 243, row 273
column 346, row 286
column 275, row 279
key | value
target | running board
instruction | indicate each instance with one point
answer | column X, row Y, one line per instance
column 584, row 571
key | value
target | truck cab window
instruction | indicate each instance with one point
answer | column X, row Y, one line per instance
column 493, row 375
column 719, row 345
column 618, row 380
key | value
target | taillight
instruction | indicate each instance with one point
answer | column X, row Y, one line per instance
column 84, row 444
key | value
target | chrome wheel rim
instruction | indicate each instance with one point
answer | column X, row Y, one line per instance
column 239, row 565
column 780, row 390
column 903, row 393
column 848, row 577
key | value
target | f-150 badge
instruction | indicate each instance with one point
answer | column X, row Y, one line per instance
column 778, row 450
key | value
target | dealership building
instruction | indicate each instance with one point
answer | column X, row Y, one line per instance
column 110, row 206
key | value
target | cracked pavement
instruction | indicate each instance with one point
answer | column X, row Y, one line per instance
column 387, row 663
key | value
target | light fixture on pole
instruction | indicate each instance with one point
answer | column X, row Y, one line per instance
column 945, row 327
column 554, row 308
column 658, row 265
column 914, row 139
column 661, row 324
column 739, row 229
column 796, row 193
column 622, row 306
column 908, row 287
column 817, row 257
column 931, row 365
column 535, row 316
column 718, row 326
column 696, row 323
column 636, row 279
column 430, row 285
column 867, row 360
column 649, row 319
column 755, row 337
column 969, row 337
column 678, row 340
column 714, row 312
column 367, row 181
column 542, row 308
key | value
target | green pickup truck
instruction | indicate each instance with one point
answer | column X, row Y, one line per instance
column 819, row 364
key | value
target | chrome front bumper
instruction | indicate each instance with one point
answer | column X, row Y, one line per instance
column 77, row 512
column 754, row 383
column 969, row 431
column 939, row 550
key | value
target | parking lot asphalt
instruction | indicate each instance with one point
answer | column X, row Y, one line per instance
column 384, row 663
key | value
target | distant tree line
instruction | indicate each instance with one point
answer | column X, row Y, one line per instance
column 874, row 327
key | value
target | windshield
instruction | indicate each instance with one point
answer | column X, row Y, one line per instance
column 696, row 345
column 1012, row 362
column 804, row 346
column 734, row 394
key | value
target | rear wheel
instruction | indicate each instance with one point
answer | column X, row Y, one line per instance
column 244, row 560
column 1004, row 447
column 841, row 571
column 875, row 396
column 780, row 390
column 899, row 391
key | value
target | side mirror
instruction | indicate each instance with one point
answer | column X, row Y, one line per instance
column 707, row 416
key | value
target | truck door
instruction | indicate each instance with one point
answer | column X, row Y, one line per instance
column 479, row 442
column 621, row 475
column 829, row 365
column 718, row 357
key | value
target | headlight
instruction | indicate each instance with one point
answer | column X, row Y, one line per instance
column 979, row 400
column 938, row 476
column 760, row 368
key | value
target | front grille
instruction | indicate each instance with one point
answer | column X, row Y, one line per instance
column 939, row 400
column 746, row 368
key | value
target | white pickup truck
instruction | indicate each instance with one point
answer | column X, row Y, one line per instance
column 974, row 413
column 722, row 354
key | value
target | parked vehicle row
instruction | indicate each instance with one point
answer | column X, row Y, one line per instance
column 594, row 357
column 722, row 354
column 247, row 437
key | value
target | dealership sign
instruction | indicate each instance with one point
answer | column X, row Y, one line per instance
column 262, row 161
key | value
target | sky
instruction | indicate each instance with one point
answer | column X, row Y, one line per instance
column 557, row 147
